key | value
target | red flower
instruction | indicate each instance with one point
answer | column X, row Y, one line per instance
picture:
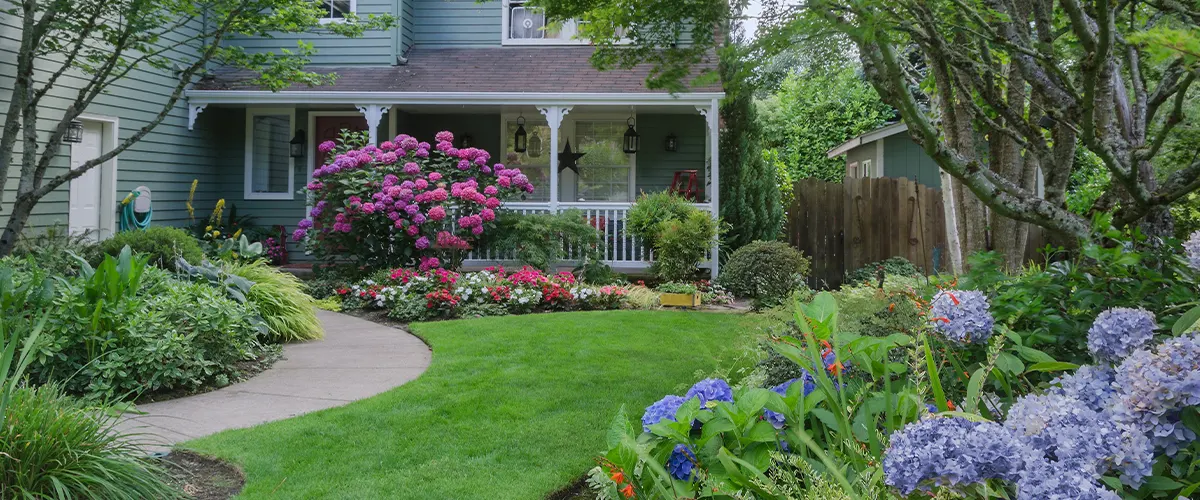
column 627, row 491
column 618, row 476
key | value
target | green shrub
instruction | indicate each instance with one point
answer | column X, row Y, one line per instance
column 279, row 296
column 866, row 310
column 54, row 250
column 57, row 447
column 541, row 240
column 162, row 244
column 651, row 210
column 474, row 310
column 682, row 244
column 765, row 272
column 893, row 266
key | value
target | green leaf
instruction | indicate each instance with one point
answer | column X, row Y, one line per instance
column 752, row 400
column 1186, row 322
column 619, row 428
column 1160, row 483
column 762, row 432
column 1008, row 363
column 1033, row 355
column 1055, row 366
column 973, row 388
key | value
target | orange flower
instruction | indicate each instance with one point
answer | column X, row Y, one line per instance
column 618, row 476
column 943, row 319
column 627, row 491
column 825, row 344
column 953, row 298
column 836, row 368
column 950, row 405
column 892, row 307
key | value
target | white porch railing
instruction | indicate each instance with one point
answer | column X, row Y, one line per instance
column 619, row 248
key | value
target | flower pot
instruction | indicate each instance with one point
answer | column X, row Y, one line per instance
column 680, row 299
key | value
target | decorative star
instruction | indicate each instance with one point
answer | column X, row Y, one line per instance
column 569, row 159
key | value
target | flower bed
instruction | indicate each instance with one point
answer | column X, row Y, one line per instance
column 420, row 295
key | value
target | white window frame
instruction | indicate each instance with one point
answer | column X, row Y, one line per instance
column 505, row 31
column 852, row 170
column 868, row 168
column 248, row 171
column 353, row 10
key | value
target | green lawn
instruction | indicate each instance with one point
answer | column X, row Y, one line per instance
column 512, row 407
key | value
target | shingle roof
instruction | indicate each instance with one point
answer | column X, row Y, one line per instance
column 498, row 69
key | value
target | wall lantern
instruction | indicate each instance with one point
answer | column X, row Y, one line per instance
column 74, row 133
column 467, row 141
column 672, row 144
column 632, row 139
column 297, row 145
column 521, row 139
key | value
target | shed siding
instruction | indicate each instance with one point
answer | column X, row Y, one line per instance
column 857, row 155
column 457, row 23
column 166, row 160
column 904, row 158
column 373, row 48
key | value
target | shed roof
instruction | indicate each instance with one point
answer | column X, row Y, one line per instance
column 869, row 137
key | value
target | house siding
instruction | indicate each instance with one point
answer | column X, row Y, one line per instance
column 655, row 166
column 373, row 48
column 904, row 158
column 457, row 23
column 166, row 160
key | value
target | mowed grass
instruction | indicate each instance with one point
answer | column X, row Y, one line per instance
column 512, row 407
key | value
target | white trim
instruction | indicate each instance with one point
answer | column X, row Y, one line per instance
column 713, row 116
column 878, row 158
column 315, row 97
column 327, row 20
column 109, row 138
column 867, row 138
column 248, row 167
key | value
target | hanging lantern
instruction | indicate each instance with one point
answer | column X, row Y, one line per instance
column 632, row 139
column 297, row 145
column 535, row 145
column 74, row 133
column 521, row 139
column 672, row 144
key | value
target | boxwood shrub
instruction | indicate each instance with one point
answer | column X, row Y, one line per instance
column 765, row 272
column 162, row 244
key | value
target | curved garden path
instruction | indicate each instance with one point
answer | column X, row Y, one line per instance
column 356, row 359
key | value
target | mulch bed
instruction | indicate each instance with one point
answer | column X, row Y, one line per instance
column 203, row 477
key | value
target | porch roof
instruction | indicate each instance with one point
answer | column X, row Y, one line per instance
column 479, row 70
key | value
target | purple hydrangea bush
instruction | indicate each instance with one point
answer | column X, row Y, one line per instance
column 709, row 391
column 962, row 316
column 777, row 420
column 1119, row 331
column 663, row 409
column 1155, row 386
column 951, row 452
column 404, row 201
column 681, row 462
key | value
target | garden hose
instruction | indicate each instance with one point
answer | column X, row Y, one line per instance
column 130, row 220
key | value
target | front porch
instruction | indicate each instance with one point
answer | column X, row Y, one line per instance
column 603, row 184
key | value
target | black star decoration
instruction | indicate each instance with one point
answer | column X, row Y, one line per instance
column 569, row 159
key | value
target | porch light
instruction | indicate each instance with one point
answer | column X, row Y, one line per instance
column 521, row 139
column 672, row 144
column 297, row 145
column 535, row 145
column 74, row 133
column 632, row 139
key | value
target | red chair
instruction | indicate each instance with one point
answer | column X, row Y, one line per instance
column 685, row 184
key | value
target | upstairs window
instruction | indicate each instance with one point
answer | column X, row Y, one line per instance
column 336, row 10
column 526, row 25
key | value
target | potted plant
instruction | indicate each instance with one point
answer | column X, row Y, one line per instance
column 676, row 294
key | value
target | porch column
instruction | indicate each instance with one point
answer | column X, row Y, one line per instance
column 374, row 115
column 713, row 115
column 554, row 117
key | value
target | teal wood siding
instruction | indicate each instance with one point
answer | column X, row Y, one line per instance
column 166, row 160
column 406, row 25
column 373, row 48
column 904, row 158
column 457, row 23
column 655, row 166
column 868, row 151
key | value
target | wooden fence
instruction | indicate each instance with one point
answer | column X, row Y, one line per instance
column 843, row 226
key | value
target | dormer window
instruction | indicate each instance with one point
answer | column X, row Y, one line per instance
column 334, row 11
column 528, row 25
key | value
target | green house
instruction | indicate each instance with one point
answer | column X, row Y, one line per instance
column 477, row 69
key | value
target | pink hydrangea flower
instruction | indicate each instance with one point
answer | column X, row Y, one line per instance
column 387, row 158
column 421, row 184
column 413, row 230
column 487, row 214
column 490, row 190
column 422, row 243
column 388, row 146
column 422, row 153
column 326, row 146
column 464, row 164
column 412, row 168
column 445, row 136
column 437, row 213
column 408, row 144
column 504, row 181
column 435, row 176
column 368, row 208
column 477, row 230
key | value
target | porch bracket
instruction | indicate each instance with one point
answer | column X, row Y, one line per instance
column 374, row 115
column 193, row 112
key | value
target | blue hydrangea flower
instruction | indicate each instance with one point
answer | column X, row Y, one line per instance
column 962, row 316
column 1155, row 386
column 950, row 452
column 710, row 389
column 663, row 409
column 681, row 462
column 1091, row 385
column 1118, row 332
column 1191, row 247
column 777, row 419
column 1042, row 480
column 1072, row 435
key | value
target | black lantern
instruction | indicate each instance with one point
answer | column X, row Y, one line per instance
column 672, row 144
column 535, row 145
column 632, row 139
column 74, row 133
column 297, row 145
column 521, row 139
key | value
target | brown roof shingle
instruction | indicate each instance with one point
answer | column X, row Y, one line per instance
column 498, row 69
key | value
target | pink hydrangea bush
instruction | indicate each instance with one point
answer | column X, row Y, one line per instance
column 404, row 202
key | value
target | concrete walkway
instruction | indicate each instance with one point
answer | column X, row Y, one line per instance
column 357, row 359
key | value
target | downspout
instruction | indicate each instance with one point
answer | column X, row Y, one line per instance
column 398, row 34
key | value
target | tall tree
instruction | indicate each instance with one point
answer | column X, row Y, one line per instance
column 1032, row 77
column 100, row 42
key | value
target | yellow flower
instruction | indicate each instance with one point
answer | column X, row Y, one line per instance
column 216, row 234
column 238, row 233
column 207, row 228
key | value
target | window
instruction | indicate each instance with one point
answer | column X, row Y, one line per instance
column 336, row 10
column 268, row 171
column 852, row 170
column 868, row 168
column 524, row 25
column 535, row 161
column 605, row 172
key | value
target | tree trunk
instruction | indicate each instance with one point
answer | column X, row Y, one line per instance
column 21, row 209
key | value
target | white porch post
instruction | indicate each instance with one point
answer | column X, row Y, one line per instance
column 554, row 118
column 713, row 115
column 374, row 115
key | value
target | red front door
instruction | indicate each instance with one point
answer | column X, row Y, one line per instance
column 328, row 128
